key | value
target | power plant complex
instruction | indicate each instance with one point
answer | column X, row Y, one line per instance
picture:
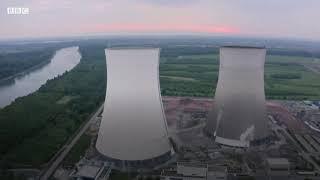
column 239, row 113
column 139, row 134
column 133, row 129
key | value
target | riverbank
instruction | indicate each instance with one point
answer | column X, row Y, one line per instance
column 63, row 60
column 42, row 124
column 26, row 71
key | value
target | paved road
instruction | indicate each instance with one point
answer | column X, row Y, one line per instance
column 67, row 147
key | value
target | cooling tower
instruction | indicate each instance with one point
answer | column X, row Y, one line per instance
column 239, row 113
column 133, row 126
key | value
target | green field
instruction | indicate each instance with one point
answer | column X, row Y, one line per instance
column 196, row 75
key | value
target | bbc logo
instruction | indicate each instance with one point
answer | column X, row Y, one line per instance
column 18, row 10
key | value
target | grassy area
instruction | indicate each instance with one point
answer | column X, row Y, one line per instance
column 179, row 78
column 189, row 75
column 285, row 77
column 78, row 150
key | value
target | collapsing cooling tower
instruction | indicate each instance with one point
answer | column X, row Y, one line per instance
column 239, row 112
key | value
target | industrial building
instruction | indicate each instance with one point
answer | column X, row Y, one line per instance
column 194, row 171
column 278, row 168
column 90, row 172
column 133, row 130
column 238, row 118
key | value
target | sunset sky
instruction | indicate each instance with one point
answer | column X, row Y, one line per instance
column 262, row 18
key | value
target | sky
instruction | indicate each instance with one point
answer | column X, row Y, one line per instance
column 297, row 19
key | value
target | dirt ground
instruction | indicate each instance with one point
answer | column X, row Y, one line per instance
column 174, row 106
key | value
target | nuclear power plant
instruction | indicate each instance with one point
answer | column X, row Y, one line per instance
column 239, row 116
column 133, row 128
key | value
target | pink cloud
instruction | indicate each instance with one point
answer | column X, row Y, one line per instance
column 193, row 28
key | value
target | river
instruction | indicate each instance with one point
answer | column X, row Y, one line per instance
column 64, row 60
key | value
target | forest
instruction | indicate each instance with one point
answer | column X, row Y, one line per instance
column 34, row 127
column 13, row 63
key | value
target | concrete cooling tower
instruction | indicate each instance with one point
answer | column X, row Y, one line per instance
column 239, row 113
column 133, row 127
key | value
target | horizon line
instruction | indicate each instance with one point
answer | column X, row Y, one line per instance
column 119, row 35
